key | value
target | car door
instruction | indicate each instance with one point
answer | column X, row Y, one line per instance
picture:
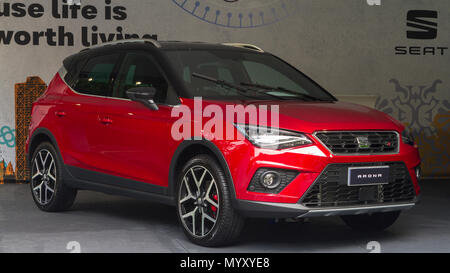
column 79, row 113
column 138, row 143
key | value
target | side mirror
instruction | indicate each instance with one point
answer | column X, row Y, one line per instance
column 144, row 95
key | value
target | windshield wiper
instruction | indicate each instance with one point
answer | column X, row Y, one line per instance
column 223, row 83
column 282, row 89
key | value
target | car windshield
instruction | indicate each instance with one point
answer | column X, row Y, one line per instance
column 231, row 74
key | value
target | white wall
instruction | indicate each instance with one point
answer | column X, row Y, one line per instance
column 345, row 45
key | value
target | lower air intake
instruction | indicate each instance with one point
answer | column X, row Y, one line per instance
column 331, row 190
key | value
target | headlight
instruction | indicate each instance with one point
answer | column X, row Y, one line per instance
column 407, row 137
column 272, row 138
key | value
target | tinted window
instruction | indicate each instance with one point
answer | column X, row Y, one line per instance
column 95, row 77
column 140, row 70
column 243, row 69
column 263, row 74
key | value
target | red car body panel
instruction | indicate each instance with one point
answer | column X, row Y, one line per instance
column 124, row 138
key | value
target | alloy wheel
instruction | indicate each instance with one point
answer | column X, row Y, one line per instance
column 198, row 201
column 43, row 177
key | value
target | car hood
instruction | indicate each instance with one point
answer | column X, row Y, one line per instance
column 309, row 117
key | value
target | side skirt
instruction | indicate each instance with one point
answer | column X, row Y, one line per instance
column 89, row 180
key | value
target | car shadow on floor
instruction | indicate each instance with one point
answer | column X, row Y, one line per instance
column 261, row 235
column 144, row 212
column 320, row 234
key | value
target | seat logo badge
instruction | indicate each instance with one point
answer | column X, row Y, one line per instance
column 363, row 142
column 423, row 29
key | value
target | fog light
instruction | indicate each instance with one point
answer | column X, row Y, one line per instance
column 276, row 182
column 270, row 180
column 418, row 172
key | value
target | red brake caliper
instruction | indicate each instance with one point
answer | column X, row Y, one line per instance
column 214, row 209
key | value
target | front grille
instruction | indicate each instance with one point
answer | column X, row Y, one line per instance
column 348, row 142
column 331, row 190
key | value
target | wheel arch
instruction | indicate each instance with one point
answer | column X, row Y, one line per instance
column 41, row 135
column 188, row 149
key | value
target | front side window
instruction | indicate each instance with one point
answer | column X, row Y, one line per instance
column 140, row 70
column 96, row 76
column 264, row 76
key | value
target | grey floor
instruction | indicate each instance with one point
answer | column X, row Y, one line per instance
column 103, row 223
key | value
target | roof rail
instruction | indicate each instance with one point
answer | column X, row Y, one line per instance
column 247, row 46
column 150, row 41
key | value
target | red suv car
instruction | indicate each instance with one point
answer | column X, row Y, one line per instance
column 106, row 123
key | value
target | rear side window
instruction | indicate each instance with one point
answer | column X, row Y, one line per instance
column 95, row 78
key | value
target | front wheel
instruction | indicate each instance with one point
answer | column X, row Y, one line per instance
column 204, row 204
column 375, row 222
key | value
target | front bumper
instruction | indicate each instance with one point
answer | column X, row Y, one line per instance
column 330, row 195
column 284, row 210
column 310, row 161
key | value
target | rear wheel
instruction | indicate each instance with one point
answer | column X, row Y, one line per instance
column 204, row 204
column 375, row 222
column 47, row 187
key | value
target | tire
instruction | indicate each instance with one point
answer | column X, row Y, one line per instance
column 47, row 186
column 209, row 197
column 375, row 222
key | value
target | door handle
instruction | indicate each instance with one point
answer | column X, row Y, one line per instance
column 60, row 114
column 106, row 121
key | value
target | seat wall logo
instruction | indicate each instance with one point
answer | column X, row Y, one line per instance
column 423, row 29
column 422, row 25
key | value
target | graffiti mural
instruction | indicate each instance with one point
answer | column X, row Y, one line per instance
column 239, row 14
column 7, row 136
column 25, row 94
column 7, row 145
column 428, row 117
column 13, row 141
column 7, row 173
